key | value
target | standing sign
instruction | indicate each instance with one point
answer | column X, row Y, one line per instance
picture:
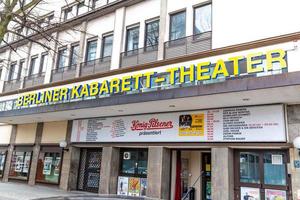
column 240, row 124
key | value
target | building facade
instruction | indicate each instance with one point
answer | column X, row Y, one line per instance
column 155, row 98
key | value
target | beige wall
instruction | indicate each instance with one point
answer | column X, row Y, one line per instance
column 54, row 132
column 5, row 132
column 26, row 133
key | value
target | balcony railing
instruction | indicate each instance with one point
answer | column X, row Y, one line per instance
column 34, row 79
column 139, row 56
column 95, row 66
column 188, row 45
column 12, row 85
column 65, row 73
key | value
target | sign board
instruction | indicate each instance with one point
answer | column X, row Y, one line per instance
column 275, row 194
column 240, row 124
column 250, row 193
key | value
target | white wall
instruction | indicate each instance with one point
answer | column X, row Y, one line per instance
column 236, row 21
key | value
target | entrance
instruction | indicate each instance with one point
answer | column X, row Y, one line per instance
column 191, row 175
column 89, row 174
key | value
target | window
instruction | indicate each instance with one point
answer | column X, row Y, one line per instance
column 107, row 44
column 249, row 167
column 275, row 173
column 67, row 13
column 20, row 165
column 21, row 66
column 134, row 162
column 91, row 50
column 43, row 63
column 61, row 58
column 2, row 163
column 13, row 71
column 80, row 8
column 33, row 68
column 177, row 26
column 152, row 33
column 132, row 40
column 74, row 54
column 202, row 21
column 98, row 3
column 48, row 169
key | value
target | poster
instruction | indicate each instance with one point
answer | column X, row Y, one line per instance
column 250, row 193
column 134, row 186
column 237, row 124
column 191, row 125
column 275, row 194
column 57, row 166
column 143, row 186
column 19, row 163
column 2, row 160
column 122, row 185
column 47, row 165
column 26, row 164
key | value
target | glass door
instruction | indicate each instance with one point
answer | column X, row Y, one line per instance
column 261, row 175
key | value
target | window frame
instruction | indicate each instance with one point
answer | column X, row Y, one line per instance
column 131, row 27
column 261, row 186
column 71, row 54
column 10, row 72
column 90, row 40
column 122, row 150
column 30, row 71
column 24, row 150
column 110, row 34
column 66, row 12
column 170, row 23
column 78, row 6
column 64, row 48
column 42, row 62
column 20, row 68
column 194, row 15
column 156, row 19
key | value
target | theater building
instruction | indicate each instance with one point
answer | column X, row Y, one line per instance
column 158, row 98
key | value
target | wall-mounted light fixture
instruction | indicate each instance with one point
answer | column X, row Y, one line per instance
column 63, row 144
column 296, row 143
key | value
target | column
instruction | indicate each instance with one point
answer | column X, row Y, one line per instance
column 109, row 170
column 159, row 171
column 82, row 43
column 222, row 173
column 10, row 153
column 70, row 163
column 35, row 154
column 118, row 38
column 162, row 28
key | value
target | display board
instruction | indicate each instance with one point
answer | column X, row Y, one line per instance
column 239, row 124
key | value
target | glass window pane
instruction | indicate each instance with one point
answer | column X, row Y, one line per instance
column 20, row 165
column 132, row 39
column 62, row 55
column 13, row 73
column 2, row 163
column 33, row 66
column 22, row 62
column 152, row 33
column 177, row 23
column 134, row 162
column 44, row 62
column 48, row 167
column 249, row 167
column 91, row 50
column 107, row 46
column 74, row 54
column 274, row 172
column 202, row 19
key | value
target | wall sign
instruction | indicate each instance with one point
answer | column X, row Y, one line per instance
column 190, row 73
column 240, row 124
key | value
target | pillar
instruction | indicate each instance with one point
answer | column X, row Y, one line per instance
column 159, row 171
column 82, row 43
column 118, row 37
column 222, row 173
column 109, row 170
column 162, row 28
column 35, row 153
column 10, row 153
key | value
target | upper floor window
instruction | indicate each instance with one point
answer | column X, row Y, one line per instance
column 152, row 33
column 61, row 58
column 13, row 71
column 177, row 25
column 91, row 50
column 98, row 3
column 202, row 21
column 21, row 66
column 67, row 13
column 107, row 44
column 74, row 54
column 33, row 68
column 132, row 39
column 80, row 8
column 43, row 63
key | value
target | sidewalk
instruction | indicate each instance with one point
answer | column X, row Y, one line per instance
column 19, row 191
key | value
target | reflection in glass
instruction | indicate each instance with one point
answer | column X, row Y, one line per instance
column 274, row 173
column 132, row 39
column 177, row 23
column 134, row 162
column 20, row 163
column 249, row 167
column 48, row 169
column 202, row 19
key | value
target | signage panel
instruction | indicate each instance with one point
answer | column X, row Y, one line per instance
column 240, row 124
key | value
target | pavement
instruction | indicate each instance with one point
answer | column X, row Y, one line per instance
column 21, row 191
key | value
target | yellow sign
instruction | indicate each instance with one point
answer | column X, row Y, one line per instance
column 173, row 76
column 191, row 125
